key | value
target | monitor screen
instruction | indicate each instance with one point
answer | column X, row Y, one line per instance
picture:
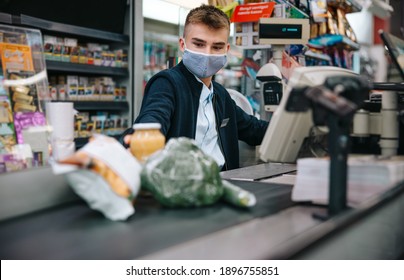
column 395, row 48
column 287, row 130
column 283, row 31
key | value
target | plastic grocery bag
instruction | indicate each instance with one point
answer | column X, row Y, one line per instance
column 181, row 175
column 105, row 175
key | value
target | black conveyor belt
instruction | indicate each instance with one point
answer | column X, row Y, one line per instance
column 75, row 231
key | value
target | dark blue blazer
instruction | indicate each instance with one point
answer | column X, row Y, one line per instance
column 171, row 98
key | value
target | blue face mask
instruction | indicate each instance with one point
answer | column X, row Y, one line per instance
column 203, row 65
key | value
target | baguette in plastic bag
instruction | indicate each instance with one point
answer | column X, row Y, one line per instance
column 106, row 176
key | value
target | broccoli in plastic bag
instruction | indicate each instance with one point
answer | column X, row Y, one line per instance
column 181, row 175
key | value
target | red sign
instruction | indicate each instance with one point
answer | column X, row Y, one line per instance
column 252, row 12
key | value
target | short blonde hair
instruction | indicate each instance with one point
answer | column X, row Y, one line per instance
column 209, row 15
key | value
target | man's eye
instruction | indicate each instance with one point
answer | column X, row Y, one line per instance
column 199, row 45
column 218, row 48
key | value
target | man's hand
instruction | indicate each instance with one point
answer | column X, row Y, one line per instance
column 127, row 139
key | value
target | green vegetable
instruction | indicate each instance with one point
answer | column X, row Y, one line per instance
column 181, row 175
column 237, row 196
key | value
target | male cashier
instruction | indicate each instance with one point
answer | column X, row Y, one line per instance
column 187, row 102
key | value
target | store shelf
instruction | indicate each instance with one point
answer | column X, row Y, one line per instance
column 330, row 40
column 5, row 18
column 101, row 105
column 318, row 56
column 69, row 29
column 86, row 68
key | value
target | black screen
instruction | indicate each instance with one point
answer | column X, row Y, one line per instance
column 280, row 31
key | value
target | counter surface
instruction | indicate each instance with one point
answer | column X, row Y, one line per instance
column 74, row 231
column 276, row 228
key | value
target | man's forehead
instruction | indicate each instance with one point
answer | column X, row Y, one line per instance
column 197, row 29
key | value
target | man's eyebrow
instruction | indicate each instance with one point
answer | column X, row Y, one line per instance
column 198, row 40
column 219, row 44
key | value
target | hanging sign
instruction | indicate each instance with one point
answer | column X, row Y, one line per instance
column 252, row 12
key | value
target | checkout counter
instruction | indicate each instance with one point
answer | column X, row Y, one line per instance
column 41, row 218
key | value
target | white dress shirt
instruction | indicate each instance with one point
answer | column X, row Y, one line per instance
column 206, row 134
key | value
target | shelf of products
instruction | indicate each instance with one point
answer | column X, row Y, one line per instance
column 23, row 89
column 158, row 49
column 88, row 67
column 59, row 66
column 318, row 56
column 331, row 40
column 96, row 121
column 331, row 33
column 101, row 105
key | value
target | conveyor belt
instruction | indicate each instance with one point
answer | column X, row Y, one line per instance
column 76, row 232
column 271, row 198
column 258, row 172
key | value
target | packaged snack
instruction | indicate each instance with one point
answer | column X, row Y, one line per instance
column 125, row 58
column 22, row 107
column 7, row 137
column 61, row 94
column 22, row 98
column 83, row 53
column 49, row 43
column 23, row 120
column 12, row 162
column 7, row 132
column 118, row 58
column 69, row 44
column 123, row 93
column 74, row 54
column 72, row 87
column 58, row 49
column 81, row 90
column 6, row 116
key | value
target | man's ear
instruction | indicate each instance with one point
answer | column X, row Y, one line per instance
column 228, row 47
column 181, row 43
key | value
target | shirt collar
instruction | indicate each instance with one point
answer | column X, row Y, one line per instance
column 205, row 90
